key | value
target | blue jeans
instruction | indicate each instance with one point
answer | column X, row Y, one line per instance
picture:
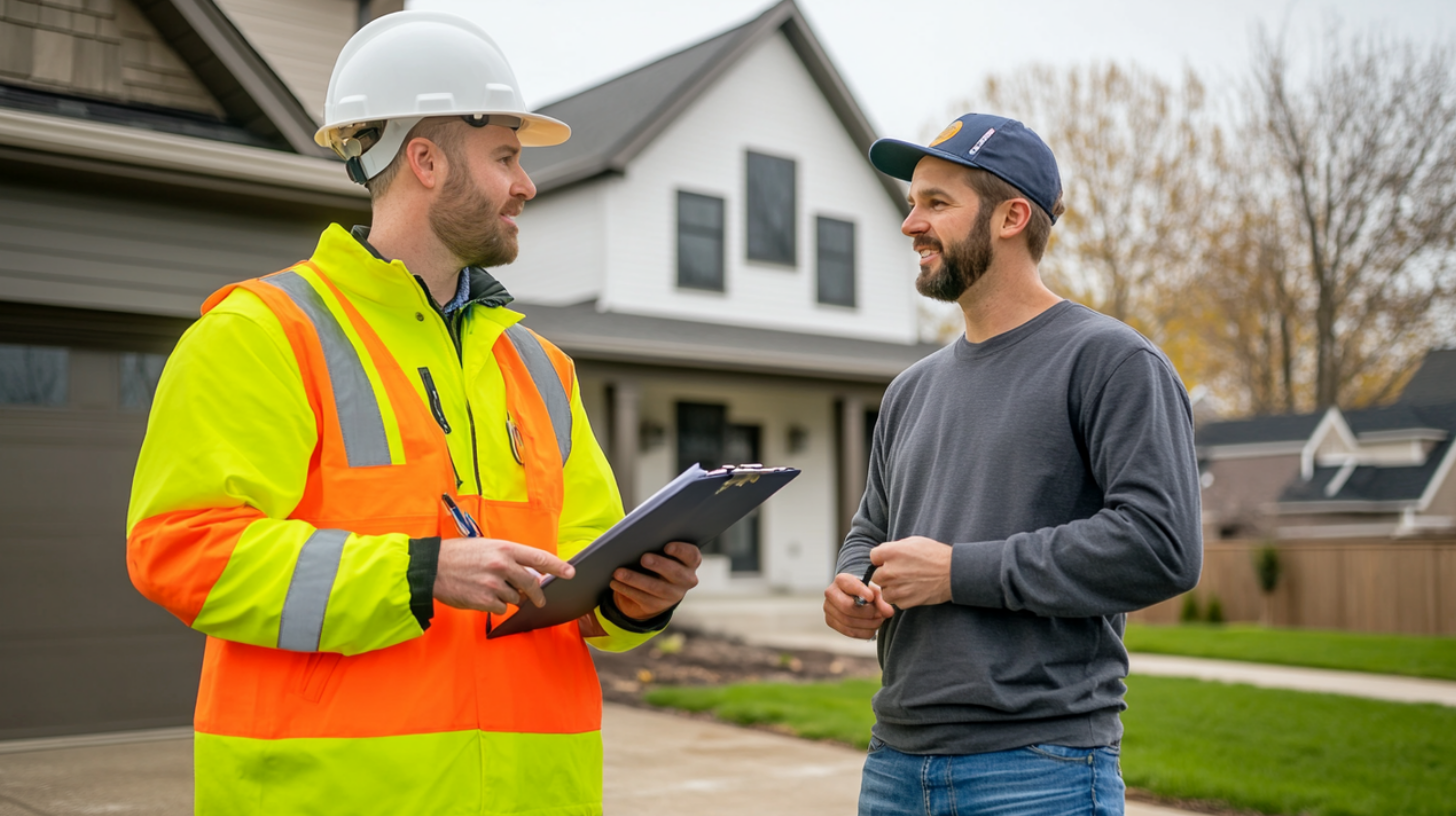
column 1039, row 780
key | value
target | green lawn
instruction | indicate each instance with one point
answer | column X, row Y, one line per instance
column 1351, row 651
column 1261, row 749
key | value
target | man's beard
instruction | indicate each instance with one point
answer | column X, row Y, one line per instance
column 468, row 222
column 961, row 264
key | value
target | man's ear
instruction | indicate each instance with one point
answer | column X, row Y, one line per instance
column 1011, row 218
column 426, row 161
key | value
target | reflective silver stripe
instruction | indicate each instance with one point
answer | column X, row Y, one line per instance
column 308, row 593
column 365, row 444
column 548, row 384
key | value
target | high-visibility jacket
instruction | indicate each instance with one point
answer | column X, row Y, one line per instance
column 300, row 440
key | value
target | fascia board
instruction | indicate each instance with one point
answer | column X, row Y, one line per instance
column 1297, row 508
column 1405, row 434
column 1333, row 420
column 1251, row 450
column 134, row 146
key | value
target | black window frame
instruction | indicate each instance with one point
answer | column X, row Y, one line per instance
column 835, row 255
column 688, row 229
column 771, row 217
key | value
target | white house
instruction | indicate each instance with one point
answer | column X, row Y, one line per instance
column 716, row 252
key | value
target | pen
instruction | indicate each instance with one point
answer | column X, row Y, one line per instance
column 469, row 529
column 869, row 573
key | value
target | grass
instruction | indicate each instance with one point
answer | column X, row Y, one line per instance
column 1411, row 655
column 1261, row 749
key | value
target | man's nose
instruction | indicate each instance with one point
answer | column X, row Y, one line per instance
column 524, row 187
column 914, row 224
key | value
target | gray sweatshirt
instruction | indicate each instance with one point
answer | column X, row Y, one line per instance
column 1057, row 461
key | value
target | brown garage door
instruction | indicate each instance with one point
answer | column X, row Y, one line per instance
column 80, row 649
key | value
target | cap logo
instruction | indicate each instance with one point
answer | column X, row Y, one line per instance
column 952, row 129
column 980, row 142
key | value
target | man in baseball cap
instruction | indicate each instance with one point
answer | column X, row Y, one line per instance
column 1029, row 484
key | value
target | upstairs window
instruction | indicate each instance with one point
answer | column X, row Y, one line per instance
column 699, row 241
column 836, row 261
column 771, row 202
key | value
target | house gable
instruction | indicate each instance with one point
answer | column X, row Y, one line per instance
column 177, row 66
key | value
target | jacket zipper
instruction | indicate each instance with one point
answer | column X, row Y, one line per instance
column 438, row 409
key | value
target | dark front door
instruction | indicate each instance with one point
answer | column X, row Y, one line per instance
column 705, row 437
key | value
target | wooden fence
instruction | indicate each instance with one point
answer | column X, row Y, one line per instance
column 1367, row 585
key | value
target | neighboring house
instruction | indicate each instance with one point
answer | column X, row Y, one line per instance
column 1373, row 472
column 726, row 267
column 720, row 259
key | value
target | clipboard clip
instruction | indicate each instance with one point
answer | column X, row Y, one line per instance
column 742, row 474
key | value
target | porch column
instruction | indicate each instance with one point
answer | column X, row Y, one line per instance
column 623, row 398
column 853, row 463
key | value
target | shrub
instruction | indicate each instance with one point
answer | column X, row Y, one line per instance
column 1215, row 610
column 1267, row 567
column 1190, row 613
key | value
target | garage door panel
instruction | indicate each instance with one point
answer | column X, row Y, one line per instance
column 98, row 682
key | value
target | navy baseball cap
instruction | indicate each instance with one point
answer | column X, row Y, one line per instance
column 1001, row 146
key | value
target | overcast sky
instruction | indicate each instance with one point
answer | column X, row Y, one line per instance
column 910, row 61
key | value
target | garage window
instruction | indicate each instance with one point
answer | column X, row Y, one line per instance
column 33, row 375
column 139, row 376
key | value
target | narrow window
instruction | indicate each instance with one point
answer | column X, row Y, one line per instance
column 34, row 375
column 771, row 197
column 836, row 261
column 699, row 241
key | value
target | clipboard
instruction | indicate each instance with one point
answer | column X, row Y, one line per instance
column 695, row 507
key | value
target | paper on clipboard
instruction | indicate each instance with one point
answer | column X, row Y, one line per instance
column 695, row 507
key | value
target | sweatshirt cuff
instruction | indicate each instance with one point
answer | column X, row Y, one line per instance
column 975, row 574
column 620, row 620
column 424, row 560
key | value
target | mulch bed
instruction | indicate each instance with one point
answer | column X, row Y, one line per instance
column 686, row 658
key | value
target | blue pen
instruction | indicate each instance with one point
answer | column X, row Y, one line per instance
column 468, row 528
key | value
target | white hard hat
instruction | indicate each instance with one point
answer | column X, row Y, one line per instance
column 408, row 65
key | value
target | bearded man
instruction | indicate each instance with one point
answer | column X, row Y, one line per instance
column 1028, row 485
column 353, row 463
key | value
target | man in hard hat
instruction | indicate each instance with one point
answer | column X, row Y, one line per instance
column 352, row 463
column 1028, row 485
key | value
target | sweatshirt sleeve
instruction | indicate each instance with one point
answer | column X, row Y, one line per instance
column 224, row 464
column 1145, row 545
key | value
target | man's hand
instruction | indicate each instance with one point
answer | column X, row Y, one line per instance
column 847, row 618
column 641, row 597
column 913, row 571
column 485, row 574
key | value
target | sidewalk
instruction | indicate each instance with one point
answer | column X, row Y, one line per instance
column 797, row 622
column 657, row 764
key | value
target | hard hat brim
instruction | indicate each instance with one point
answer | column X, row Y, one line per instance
column 536, row 130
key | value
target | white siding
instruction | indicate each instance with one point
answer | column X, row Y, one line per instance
column 768, row 103
column 563, row 244
column 299, row 38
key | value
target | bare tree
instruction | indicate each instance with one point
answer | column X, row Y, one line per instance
column 1129, row 146
column 1363, row 149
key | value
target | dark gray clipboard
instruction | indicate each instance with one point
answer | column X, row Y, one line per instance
column 694, row 507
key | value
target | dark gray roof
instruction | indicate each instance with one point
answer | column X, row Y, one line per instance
column 1434, row 382
column 1259, row 430
column 613, row 122
column 1378, row 485
column 587, row 334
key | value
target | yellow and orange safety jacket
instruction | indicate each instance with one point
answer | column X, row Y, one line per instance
column 284, row 504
